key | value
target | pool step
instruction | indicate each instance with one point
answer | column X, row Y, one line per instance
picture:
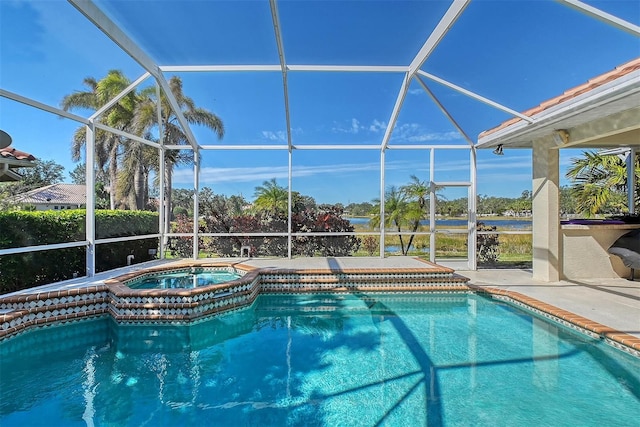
column 348, row 281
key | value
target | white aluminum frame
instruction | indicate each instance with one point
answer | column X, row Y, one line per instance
column 412, row 71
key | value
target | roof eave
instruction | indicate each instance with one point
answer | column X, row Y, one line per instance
column 618, row 95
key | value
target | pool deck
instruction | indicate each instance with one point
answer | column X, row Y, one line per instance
column 611, row 302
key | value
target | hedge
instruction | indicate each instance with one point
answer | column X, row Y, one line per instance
column 24, row 228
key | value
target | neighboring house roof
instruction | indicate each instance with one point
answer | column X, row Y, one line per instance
column 70, row 194
column 609, row 94
column 10, row 158
column 12, row 153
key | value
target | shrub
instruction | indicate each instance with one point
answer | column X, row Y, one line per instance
column 22, row 228
column 370, row 244
column 182, row 247
column 324, row 218
column 488, row 250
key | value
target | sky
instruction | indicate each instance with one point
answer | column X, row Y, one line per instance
column 517, row 53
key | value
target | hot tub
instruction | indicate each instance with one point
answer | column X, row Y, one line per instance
column 184, row 279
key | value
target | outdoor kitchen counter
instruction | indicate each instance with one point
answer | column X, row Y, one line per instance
column 584, row 249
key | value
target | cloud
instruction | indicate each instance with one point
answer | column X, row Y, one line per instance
column 377, row 126
column 352, row 127
column 256, row 174
column 415, row 91
column 280, row 136
column 414, row 132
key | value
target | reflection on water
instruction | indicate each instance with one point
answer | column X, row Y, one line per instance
column 545, row 353
column 345, row 359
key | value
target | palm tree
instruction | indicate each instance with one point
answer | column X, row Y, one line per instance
column 172, row 133
column 271, row 197
column 600, row 182
column 396, row 208
column 133, row 180
column 417, row 192
column 119, row 116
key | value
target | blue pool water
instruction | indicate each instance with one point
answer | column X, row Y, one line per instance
column 183, row 280
column 321, row 360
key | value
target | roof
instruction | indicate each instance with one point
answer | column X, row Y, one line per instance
column 71, row 194
column 610, row 95
column 12, row 153
column 10, row 159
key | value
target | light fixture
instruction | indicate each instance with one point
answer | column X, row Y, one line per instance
column 498, row 150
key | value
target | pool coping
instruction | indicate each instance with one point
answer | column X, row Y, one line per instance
column 20, row 312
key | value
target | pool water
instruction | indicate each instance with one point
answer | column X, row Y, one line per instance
column 322, row 360
column 183, row 280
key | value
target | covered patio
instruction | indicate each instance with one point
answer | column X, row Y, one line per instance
column 603, row 113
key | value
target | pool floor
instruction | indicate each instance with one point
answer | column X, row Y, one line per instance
column 322, row 360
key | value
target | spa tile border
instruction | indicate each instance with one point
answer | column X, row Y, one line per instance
column 620, row 340
column 129, row 306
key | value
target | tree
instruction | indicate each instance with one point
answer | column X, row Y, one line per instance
column 456, row 207
column 567, row 203
column 359, row 209
column 395, row 213
column 417, row 193
column 183, row 198
column 146, row 119
column 78, row 176
column 522, row 205
column 271, row 197
column 133, row 179
column 327, row 219
column 491, row 205
column 119, row 116
column 600, row 183
column 45, row 172
column 300, row 202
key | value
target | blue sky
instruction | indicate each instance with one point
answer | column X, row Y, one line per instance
column 518, row 53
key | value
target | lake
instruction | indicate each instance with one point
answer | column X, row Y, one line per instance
column 516, row 224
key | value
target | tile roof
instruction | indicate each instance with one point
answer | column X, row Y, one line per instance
column 12, row 153
column 72, row 194
column 569, row 94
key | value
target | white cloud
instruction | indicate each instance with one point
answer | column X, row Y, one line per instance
column 256, row 174
column 352, row 127
column 414, row 132
column 280, row 136
column 377, row 126
column 415, row 91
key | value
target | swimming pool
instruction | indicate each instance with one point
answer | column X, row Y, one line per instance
column 318, row 359
column 183, row 280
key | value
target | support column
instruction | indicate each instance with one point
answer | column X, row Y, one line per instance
column 289, row 202
column 196, row 201
column 546, row 211
column 90, row 212
column 631, row 180
column 472, row 202
column 382, row 203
